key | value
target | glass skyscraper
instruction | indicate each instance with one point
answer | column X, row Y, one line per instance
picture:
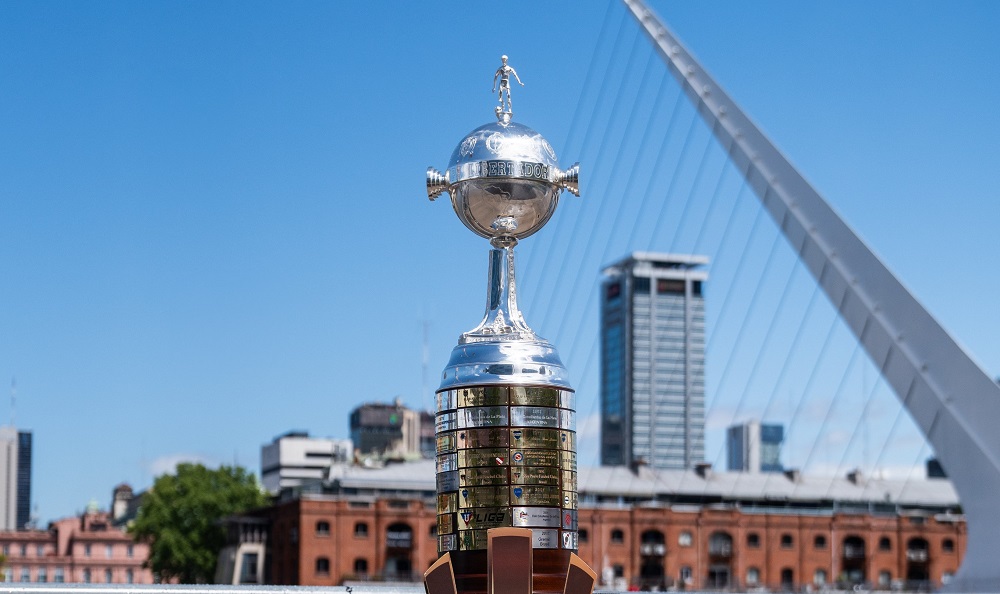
column 754, row 447
column 653, row 361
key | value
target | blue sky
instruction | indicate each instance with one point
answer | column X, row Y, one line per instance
column 215, row 227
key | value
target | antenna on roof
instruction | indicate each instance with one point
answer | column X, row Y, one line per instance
column 13, row 399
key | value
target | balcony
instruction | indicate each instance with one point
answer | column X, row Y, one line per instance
column 653, row 549
column 720, row 550
column 916, row 555
column 853, row 552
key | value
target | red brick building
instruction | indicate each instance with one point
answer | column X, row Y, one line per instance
column 646, row 529
column 83, row 549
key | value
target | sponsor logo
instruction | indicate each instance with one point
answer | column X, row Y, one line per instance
column 517, row 435
column 518, row 491
column 467, row 518
column 518, row 456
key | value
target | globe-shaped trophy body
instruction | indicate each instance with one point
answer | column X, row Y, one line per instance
column 504, row 181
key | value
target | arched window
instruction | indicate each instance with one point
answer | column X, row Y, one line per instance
column 584, row 535
column 129, row 576
column 884, row 544
column 617, row 536
column 322, row 528
column 361, row 567
column 86, row 576
column 433, row 532
column 753, row 576
column 107, row 576
column 720, row 544
column 684, row 539
column 787, row 541
column 361, row 530
column 884, row 579
column 399, row 536
column 753, row 540
column 819, row 542
column 819, row 577
column 787, row 577
column 322, row 566
column 948, row 545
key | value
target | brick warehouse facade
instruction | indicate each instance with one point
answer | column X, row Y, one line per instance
column 383, row 530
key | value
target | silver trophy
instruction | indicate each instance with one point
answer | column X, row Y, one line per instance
column 505, row 423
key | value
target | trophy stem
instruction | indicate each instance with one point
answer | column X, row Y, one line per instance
column 503, row 320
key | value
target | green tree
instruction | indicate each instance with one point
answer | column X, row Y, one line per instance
column 179, row 518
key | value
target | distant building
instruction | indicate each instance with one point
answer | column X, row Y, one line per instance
column 935, row 470
column 754, row 447
column 86, row 549
column 15, row 478
column 653, row 361
column 390, row 430
column 295, row 457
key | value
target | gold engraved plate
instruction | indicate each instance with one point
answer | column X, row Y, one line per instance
column 482, row 416
column 447, row 502
column 483, row 477
column 535, row 438
column 535, row 495
column 483, row 518
column 490, row 396
column 445, row 422
column 483, row 497
column 534, row 396
column 534, row 457
column 448, row 542
column 544, row 538
column 567, row 460
column 569, row 540
column 567, row 440
column 567, row 420
column 493, row 437
column 567, row 399
column 534, row 475
column 483, row 457
column 447, row 481
column 569, row 500
column 447, row 462
column 472, row 540
column 447, row 442
column 445, row 400
column 446, row 523
column 569, row 519
column 569, row 480
column 534, row 416
column 542, row 517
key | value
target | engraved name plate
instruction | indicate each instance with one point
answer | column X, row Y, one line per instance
column 534, row 396
column 483, row 457
column 472, row 540
column 447, row 442
column 445, row 422
column 535, row 438
column 570, row 540
column 535, row 495
column 567, row 399
column 542, row 517
column 446, row 523
column 447, row 542
column 535, row 475
column 483, row 518
column 567, row 440
column 445, row 400
column 446, row 462
column 447, row 481
column 487, row 396
column 569, row 519
column 447, row 502
column 569, row 480
column 534, row 416
column 535, row 457
column 493, row 437
column 569, row 500
column 567, row 420
column 483, row 497
column 544, row 538
column 567, row 460
column 482, row 416
column 482, row 477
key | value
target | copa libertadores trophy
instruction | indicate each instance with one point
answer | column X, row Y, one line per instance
column 505, row 422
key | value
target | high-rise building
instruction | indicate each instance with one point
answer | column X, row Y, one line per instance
column 294, row 458
column 386, row 429
column 653, row 361
column 15, row 478
column 754, row 447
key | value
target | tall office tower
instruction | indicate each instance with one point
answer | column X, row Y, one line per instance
column 386, row 429
column 754, row 447
column 295, row 458
column 653, row 361
column 15, row 478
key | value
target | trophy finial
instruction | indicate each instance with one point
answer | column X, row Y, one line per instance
column 503, row 112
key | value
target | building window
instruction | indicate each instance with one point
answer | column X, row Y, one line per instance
column 130, row 551
column 884, row 544
column 684, row 539
column 107, row 576
column 108, row 551
column 86, row 576
column 361, row 530
column 58, row 576
column 753, row 576
column 617, row 536
column 884, row 577
column 6, row 550
column 685, row 574
column 819, row 542
column 86, row 550
column 42, row 576
column 40, row 550
column 619, row 570
column 787, row 578
column 819, row 577
column 584, row 535
column 753, row 540
column 787, row 541
column 322, row 528
column 8, row 574
column 322, row 566
column 946, row 577
column 948, row 545
column 361, row 567
column 129, row 576
column 24, row 550
column 433, row 532
column 25, row 574
column 293, row 534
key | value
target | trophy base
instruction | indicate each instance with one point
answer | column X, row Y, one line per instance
column 510, row 566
